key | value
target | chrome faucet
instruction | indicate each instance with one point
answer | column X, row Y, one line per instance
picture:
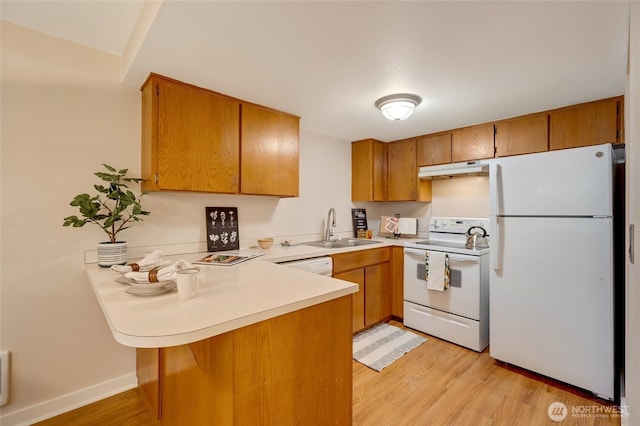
column 328, row 233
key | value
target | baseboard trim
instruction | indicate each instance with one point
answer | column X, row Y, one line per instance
column 53, row 407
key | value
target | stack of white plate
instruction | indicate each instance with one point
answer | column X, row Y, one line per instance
column 147, row 289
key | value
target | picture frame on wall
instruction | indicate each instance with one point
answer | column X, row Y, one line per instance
column 360, row 224
column 222, row 228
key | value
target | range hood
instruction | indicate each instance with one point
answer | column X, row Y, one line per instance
column 444, row 171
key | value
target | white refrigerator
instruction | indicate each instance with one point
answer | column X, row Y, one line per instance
column 551, row 275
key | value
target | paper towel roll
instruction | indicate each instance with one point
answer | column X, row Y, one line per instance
column 408, row 226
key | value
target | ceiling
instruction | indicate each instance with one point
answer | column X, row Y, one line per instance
column 328, row 61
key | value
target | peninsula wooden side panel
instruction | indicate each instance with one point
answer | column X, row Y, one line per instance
column 292, row 369
column 148, row 361
column 296, row 368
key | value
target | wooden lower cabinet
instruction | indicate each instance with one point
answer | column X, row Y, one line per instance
column 377, row 293
column 371, row 270
column 356, row 276
column 292, row 369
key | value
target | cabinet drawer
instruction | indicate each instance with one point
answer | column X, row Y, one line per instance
column 459, row 330
column 359, row 259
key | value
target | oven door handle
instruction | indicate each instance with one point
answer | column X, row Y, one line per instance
column 454, row 257
column 419, row 252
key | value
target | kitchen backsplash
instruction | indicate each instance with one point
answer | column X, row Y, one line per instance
column 455, row 197
column 461, row 197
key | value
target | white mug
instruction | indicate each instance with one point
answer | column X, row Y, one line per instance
column 188, row 282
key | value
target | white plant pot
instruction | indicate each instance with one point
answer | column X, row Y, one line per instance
column 112, row 253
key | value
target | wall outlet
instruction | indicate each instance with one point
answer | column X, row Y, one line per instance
column 4, row 377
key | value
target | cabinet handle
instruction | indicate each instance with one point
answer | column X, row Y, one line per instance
column 631, row 243
column 157, row 178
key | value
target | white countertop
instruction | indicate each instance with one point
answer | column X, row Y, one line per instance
column 229, row 297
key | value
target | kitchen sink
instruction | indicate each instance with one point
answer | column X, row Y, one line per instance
column 342, row 243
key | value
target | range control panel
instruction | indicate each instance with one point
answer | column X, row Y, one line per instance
column 456, row 225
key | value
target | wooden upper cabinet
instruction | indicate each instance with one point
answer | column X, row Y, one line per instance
column 587, row 124
column 269, row 152
column 190, row 138
column 194, row 139
column 472, row 143
column 386, row 172
column 523, row 135
column 402, row 171
column 433, row 150
column 371, row 270
column 368, row 170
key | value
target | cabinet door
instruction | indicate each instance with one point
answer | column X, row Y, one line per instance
column 368, row 170
column 589, row 124
column 356, row 276
column 377, row 293
column 402, row 172
column 472, row 143
column 434, row 150
column 197, row 139
column 397, row 281
column 522, row 135
column 269, row 152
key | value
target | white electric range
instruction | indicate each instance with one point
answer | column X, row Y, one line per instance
column 459, row 314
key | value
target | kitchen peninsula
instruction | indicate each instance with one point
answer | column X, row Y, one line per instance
column 260, row 343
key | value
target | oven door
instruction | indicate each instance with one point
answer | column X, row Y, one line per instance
column 463, row 295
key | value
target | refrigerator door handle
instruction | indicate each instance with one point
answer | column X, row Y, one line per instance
column 631, row 243
column 496, row 250
column 495, row 184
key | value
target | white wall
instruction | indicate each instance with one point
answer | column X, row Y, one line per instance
column 632, row 132
column 456, row 197
column 64, row 113
column 461, row 197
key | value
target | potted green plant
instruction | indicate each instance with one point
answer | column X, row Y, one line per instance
column 114, row 208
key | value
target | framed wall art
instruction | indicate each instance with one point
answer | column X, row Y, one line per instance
column 360, row 225
column 222, row 228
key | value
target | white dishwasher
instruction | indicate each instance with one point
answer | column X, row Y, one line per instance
column 317, row 265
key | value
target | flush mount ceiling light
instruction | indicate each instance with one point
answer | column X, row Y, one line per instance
column 399, row 106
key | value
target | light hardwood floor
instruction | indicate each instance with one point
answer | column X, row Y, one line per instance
column 437, row 383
